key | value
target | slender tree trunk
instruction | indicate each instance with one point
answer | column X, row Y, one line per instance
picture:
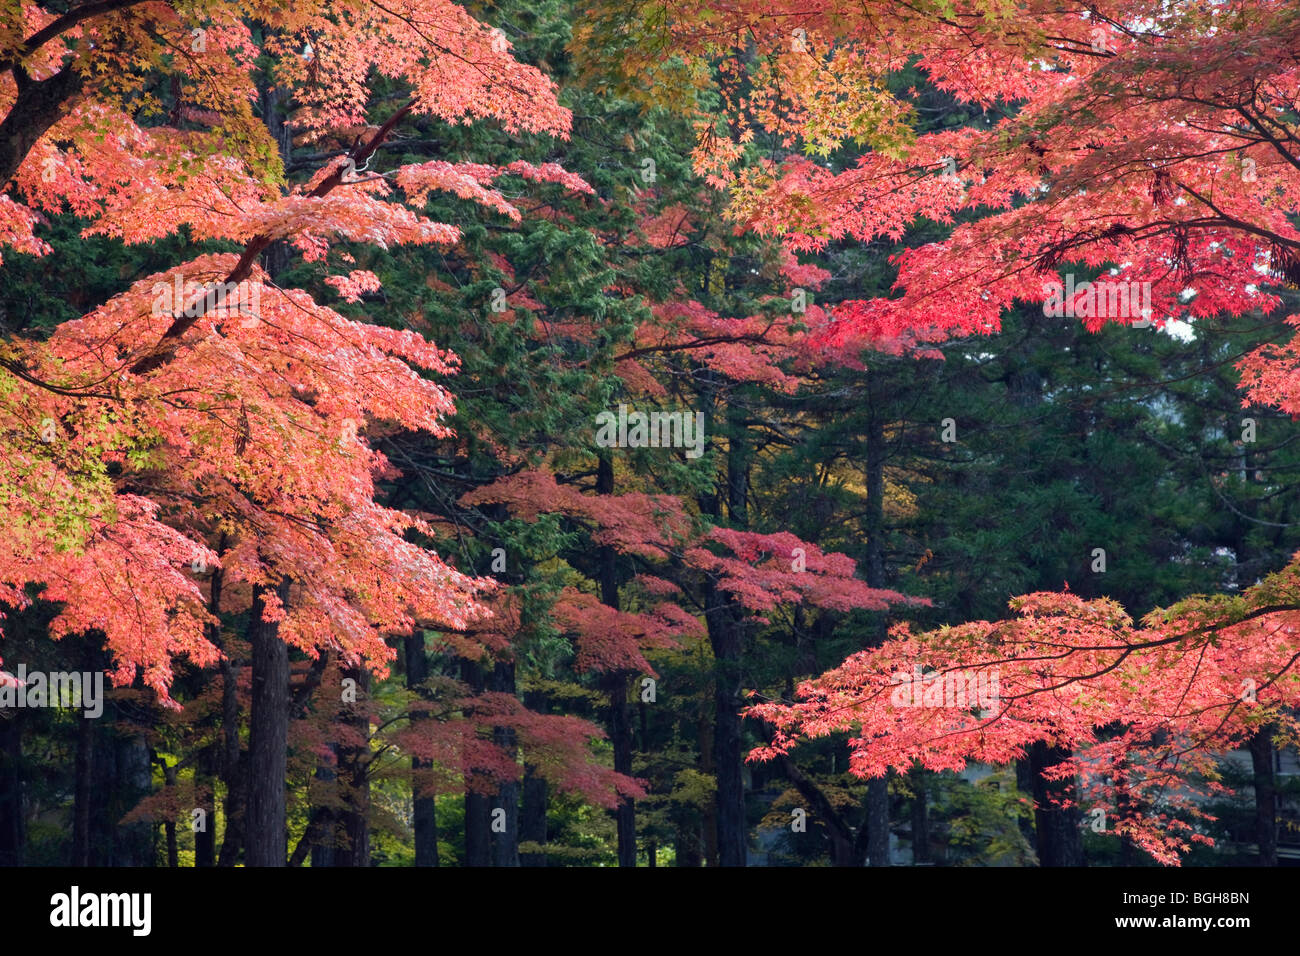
column 133, row 844
column 708, row 828
column 354, row 771
column 615, row 685
column 234, row 768
column 205, row 840
column 325, row 838
column 505, row 844
column 846, row 850
column 920, row 817
column 877, row 822
column 169, row 826
column 877, row 799
column 424, row 806
column 267, row 835
column 266, row 829
column 724, row 627
column 478, row 806
column 1261, row 759
column 724, row 635
column 83, row 767
column 532, row 816
column 11, row 790
column 1059, row 829
column 688, row 844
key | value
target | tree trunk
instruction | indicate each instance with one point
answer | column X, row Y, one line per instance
column 133, row 844
column 424, row 806
column 1059, row 829
column 205, row 840
column 354, row 772
column 11, row 790
column 724, row 626
column 478, row 806
column 267, row 836
column 324, row 823
column 505, row 845
column 615, row 685
column 920, row 818
column 724, row 635
column 1261, row 759
column 877, row 800
column 169, row 826
column 877, row 822
column 234, row 766
column 82, row 792
column 39, row 105
column 532, row 817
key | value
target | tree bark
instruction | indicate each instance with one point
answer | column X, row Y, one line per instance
column 877, row 822
column 920, row 817
column 82, row 792
column 12, row 829
column 532, row 816
column 205, row 840
column 478, row 806
column 424, row 806
column 267, row 835
column 1059, row 829
column 615, row 686
column 1261, row 759
column 505, row 845
column 234, row 766
column 39, row 105
column 354, row 771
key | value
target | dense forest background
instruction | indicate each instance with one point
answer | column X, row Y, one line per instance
column 595, row 719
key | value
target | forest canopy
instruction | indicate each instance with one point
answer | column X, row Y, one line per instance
column 644, row 433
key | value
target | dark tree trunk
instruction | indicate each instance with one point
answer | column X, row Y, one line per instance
column 40, row 104
column 354, row 772
column 1261, row 759
column 725, row 629
column 505, row 845
column 205, row 840
column 12, row 829
column 877, row 799
column 724, row 635
column 532, row 816
column 920, row 817
column 324, row 836
column 169, row 826
column 877, row 822
column 615, row 685
column 424, row 806
column 846, row 849
column 1059, row 829
column 83, row 768
column 267, row 836
column 133, row 844
column 205, row 773
column 687, row 842
column 708, row 824
column 478, row 828
column 234, row 766
column 478, row 806
column 620, row 734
